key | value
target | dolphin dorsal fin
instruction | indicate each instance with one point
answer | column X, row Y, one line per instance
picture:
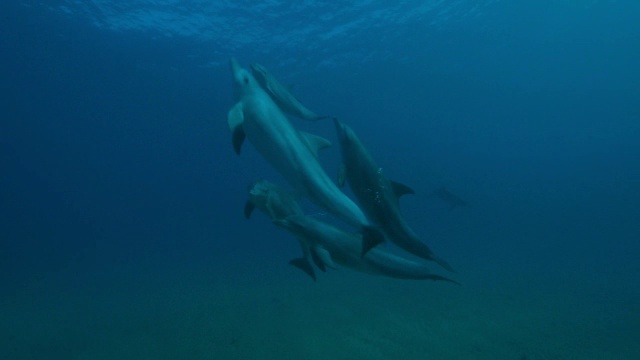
column 235, row 119
column 315, row 142
column 401, row 189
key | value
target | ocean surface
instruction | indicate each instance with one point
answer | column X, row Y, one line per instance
column 122, row 234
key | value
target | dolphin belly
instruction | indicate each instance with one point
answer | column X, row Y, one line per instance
column 390, row 265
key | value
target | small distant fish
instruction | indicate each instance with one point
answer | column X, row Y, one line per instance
column 450, row 198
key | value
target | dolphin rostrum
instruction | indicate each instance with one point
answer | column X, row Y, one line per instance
column 377, row 195
column 292, row 153
column 282, row 96
column 344, row 249
column 279, row 204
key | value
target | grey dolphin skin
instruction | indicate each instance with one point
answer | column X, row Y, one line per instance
column 282, row 96
column 279, row 204
column 450, row 198
column 378, row 196
column 344, row 249
column 293, row 154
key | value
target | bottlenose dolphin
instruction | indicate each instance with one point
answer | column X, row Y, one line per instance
column 278, row 204
column 291, row 153
column 282, row 96
column 377, row 195
column 344, row 249
column 450, row 198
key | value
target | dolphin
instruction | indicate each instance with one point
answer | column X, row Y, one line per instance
column 282, row 96
column 344, row 249
column 377, row 195
column 450, row 198
column 293, row 154
column 278, row 204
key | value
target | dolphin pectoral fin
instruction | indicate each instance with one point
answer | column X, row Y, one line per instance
column 401, row 189
column 371, row 237
column 235, row 119
column 315, row 142
column 249, row 206
column 342, row 174
column 238, row 139
column 324, row 256
column 316, row 260
column 304, row 265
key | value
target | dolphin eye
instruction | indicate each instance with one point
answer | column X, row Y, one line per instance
column 246, row 80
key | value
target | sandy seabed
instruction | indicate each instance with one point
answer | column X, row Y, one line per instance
column 272, row 311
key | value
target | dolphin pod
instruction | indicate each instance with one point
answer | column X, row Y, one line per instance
column 293, row 154
column 259, row 117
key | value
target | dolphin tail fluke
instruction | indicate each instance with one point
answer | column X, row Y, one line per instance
column 442, row 263
column 441, row 278
column 371, row 237
column 304, row 265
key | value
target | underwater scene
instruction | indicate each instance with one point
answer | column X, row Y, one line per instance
column 436, row 179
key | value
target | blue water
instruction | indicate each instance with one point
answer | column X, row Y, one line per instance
column 121, row 196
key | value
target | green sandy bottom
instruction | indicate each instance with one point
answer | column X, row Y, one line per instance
column 272, row 311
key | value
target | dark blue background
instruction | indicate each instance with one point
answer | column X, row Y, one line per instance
column 114, row 146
